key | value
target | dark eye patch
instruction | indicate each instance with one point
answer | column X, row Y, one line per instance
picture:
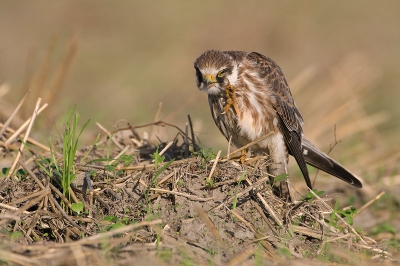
column 199, row 76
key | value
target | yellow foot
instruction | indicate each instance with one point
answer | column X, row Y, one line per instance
column 231, row 100
column 228, row 105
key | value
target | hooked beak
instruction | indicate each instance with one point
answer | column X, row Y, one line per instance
column 209, row 79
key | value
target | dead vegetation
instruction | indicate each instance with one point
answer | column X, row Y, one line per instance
column 138, row 196
column 130, row 201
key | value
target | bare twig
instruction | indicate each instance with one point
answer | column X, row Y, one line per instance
column 114, row 232
column 377, row 250
column 206, row 220
column 21, row 128
column 110, row 135
column 330, row 149
column 28, row 131
column 166, row 148
column 31, row 174
column 240, row 258
column 156, row 123
column 229, row 148
column 165, row 178
column 148, row 166
column 3, row 205
column 261, row 212
column 18, row 259
column 250, row 144
column 35, row 219
column 266, row 206
column 7, row 123
column 259, row 182
column 119, row 155
column 181, row 194
column 60, row 209
column 235, row 180
column 336, row 238
column 340, row 218
column 266, row 245
column 369, row 203
column 214, row 165
column 35, row 194
column 55, row 190
column 28, row 205
column 192, row 133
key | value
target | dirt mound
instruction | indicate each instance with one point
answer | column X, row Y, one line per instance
column 129, row 203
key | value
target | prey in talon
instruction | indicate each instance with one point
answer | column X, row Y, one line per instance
column 230, row 100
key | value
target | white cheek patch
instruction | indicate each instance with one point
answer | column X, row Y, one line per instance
column 305, row 152
column 234, row 76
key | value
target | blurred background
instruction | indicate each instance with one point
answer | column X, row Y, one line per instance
column 119, row 61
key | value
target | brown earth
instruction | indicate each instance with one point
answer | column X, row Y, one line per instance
column 194, row 212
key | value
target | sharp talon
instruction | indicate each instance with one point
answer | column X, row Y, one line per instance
column 230, row 100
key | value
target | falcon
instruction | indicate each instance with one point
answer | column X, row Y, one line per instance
column 249, row 97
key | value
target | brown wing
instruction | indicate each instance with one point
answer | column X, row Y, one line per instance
column 290, row 117
column 283, row 99
column 216, row 107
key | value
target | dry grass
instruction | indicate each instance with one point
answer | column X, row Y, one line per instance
column 135, row 212
column 195, row 211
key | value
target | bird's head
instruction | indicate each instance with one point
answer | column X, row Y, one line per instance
column 213, row 71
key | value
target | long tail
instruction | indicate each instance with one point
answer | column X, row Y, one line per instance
column 313, row 156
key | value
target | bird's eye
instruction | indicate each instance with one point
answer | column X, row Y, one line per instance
column 221, row 74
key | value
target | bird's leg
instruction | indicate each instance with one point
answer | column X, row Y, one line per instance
column 243, row 156
column 230, row 99
column 281, row 188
